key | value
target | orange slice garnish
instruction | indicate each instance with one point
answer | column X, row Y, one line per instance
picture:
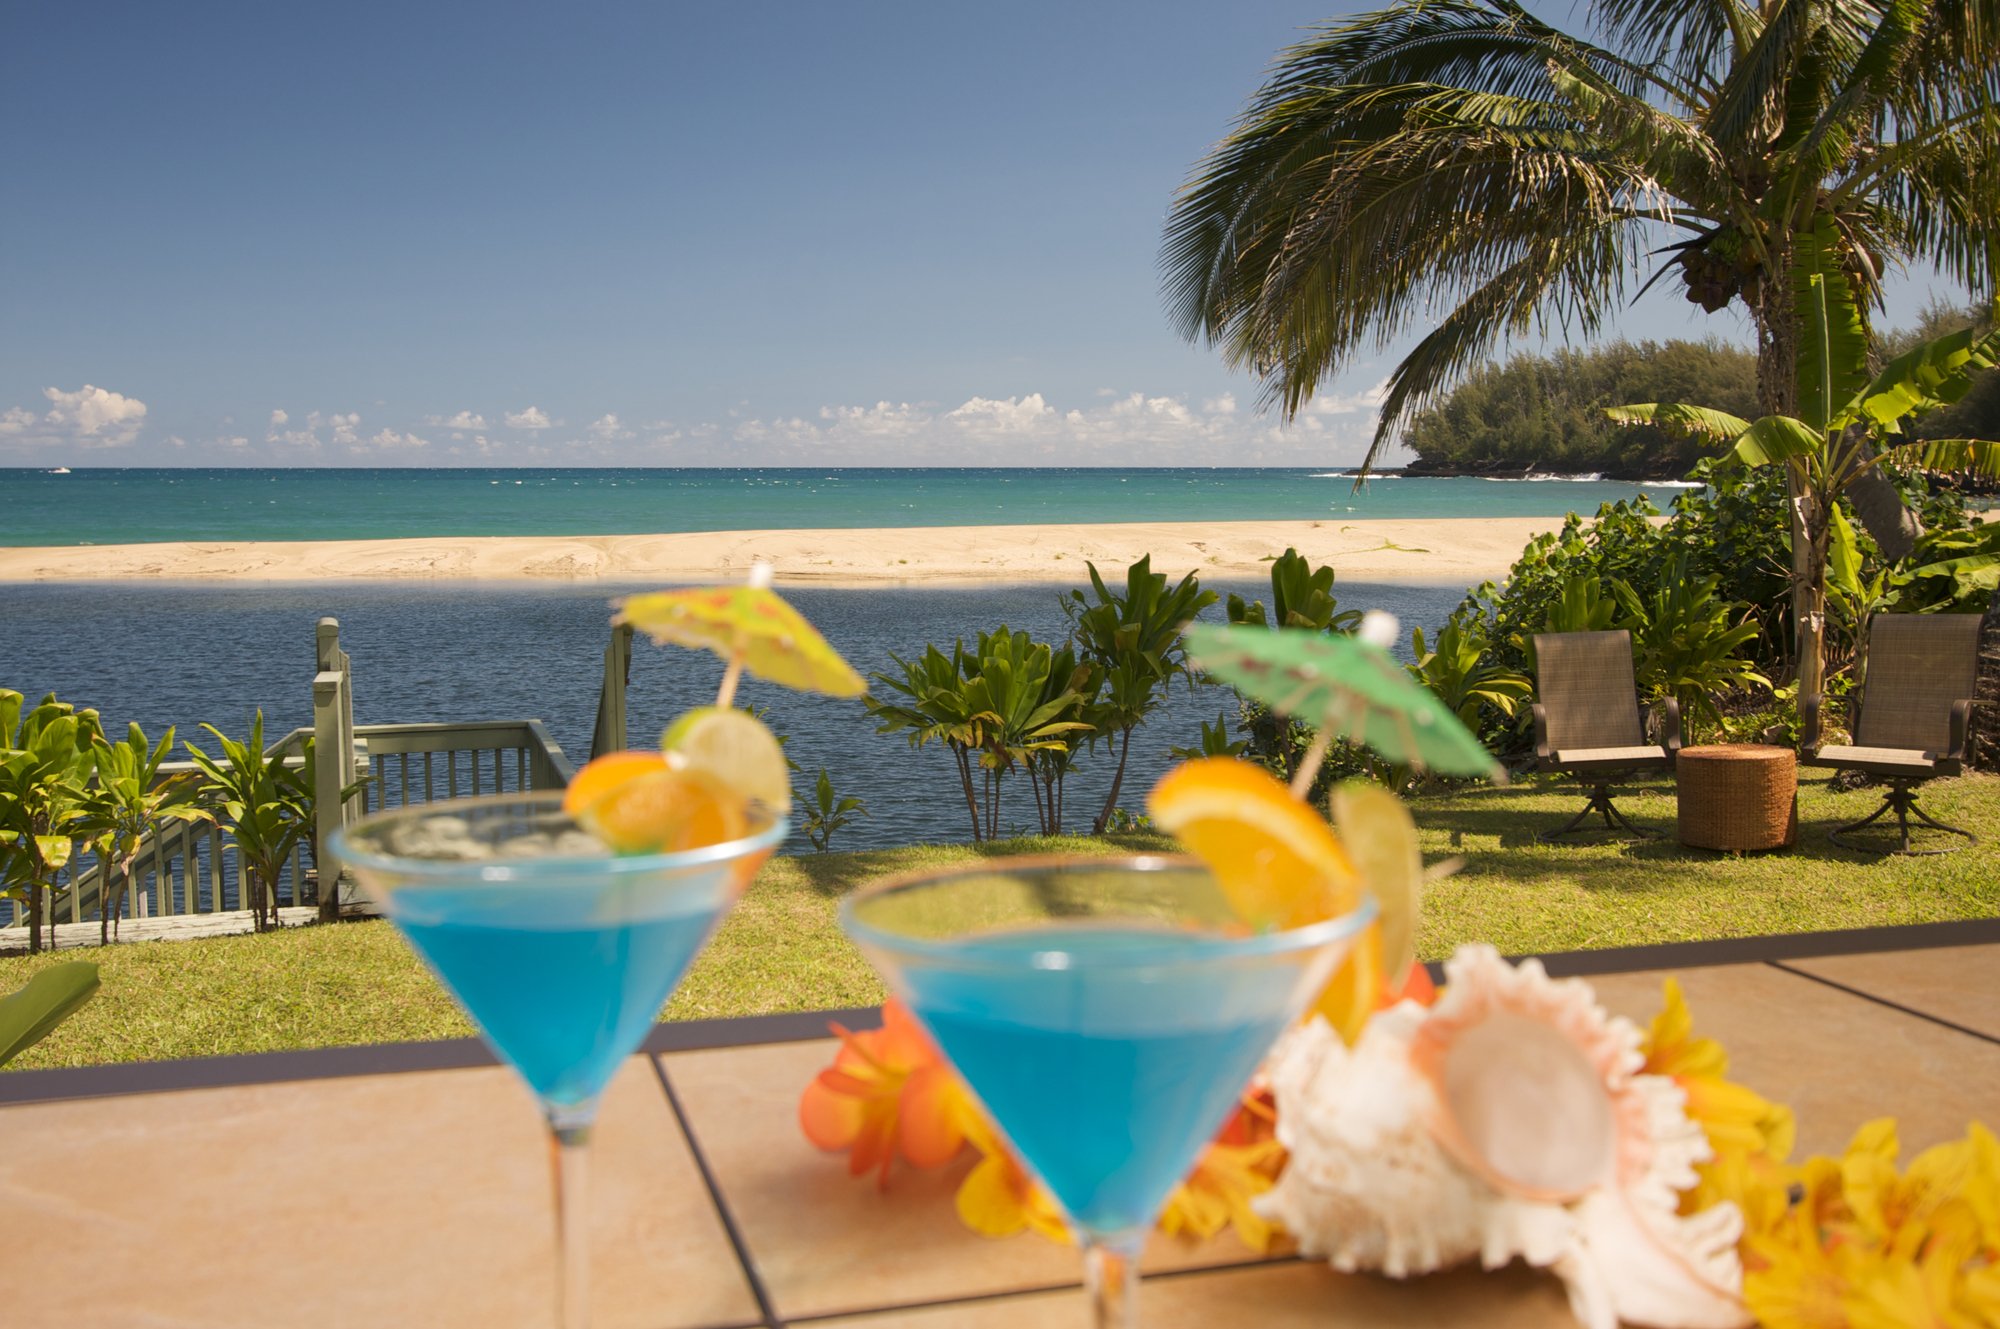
column 1277, row 860
column 663, row 810
column 603, row 774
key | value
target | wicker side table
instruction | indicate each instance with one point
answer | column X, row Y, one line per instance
column 1738, row 796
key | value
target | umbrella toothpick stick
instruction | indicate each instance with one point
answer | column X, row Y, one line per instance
column 1309, row 764
column 762, row 574
column 726, row 694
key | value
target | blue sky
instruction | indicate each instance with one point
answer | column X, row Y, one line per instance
column 660, row 233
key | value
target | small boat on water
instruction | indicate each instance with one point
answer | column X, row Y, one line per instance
column 60, row 470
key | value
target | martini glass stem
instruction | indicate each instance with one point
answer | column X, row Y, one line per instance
column 569, row 1157
column 1111, row 1279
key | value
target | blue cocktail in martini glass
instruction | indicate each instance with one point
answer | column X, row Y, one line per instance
column 560, row 950
column 1106, row 1013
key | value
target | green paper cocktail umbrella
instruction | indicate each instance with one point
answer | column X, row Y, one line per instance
column 1347, row 687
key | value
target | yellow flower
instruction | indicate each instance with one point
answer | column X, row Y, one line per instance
column 1867, row 1246
column 1218, row 1192
column 999, row 1197
column 1733, row 1117
column 1241, row 1163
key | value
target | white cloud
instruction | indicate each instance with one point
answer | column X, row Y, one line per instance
column 279, row 418
column 608, row 428
column 94, row 416
column 1005, row 415
column 532, row 418
column 1368, row 401
column 16, row 420
column 388, row 440
column 469, row 420
column 1223, row 405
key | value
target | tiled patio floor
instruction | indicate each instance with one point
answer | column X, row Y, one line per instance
column 408, row 1185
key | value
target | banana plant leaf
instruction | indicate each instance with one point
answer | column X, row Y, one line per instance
column 28, row 1016
column 1347, row 687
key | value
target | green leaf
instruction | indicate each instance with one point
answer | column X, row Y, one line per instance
column 1699, row 421
column 1976, row 456
column 52, row 996
column 1833, row 343
column 1777, row 438
column 1843, row 554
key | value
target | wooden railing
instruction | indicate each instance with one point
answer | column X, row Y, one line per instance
column 192, row 868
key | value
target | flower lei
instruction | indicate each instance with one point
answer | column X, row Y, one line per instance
column 1830, row 1242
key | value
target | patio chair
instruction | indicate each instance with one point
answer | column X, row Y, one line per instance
column 1590, row 724
column 1912, row 717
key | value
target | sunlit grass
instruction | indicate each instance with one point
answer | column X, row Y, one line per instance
column 782, row 950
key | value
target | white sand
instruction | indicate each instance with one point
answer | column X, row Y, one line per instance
column 1457, row 550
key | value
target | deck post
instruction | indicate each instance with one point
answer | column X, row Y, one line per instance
column 333, row 757
column 609, row 735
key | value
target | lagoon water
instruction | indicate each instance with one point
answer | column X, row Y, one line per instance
column 129, row 506
column 181, row 654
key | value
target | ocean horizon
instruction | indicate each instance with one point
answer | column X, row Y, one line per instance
column 134, row 505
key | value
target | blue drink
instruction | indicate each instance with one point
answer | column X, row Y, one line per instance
column 561, row 951
column 562, row 997
column 1107, row 1014
column 1109, row 1088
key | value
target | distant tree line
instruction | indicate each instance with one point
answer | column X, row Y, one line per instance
column 1545, row 413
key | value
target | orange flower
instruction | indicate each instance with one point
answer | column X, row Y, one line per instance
column 888, row 1091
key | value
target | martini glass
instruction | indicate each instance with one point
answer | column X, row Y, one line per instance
column 560, row 950
column 1107, row 1013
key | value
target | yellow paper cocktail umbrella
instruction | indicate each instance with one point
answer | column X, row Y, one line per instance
column 749, row 626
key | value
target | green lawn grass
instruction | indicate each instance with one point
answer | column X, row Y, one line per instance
column 781, row 949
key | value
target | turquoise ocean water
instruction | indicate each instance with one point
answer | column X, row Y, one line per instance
column 126, row 506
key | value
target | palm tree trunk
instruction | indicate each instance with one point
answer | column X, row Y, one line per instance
column 1896, row 528
column 34, row 917
column 965, row 784
column 1812, row 623
column 1117, row 783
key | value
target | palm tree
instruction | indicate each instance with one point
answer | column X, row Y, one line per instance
column 1131, row 639
column 1465, row 156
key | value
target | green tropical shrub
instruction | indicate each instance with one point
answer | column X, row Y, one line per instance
column 1301, row 597
column 1215, row 742
column 1131, row 641
column 261, row 809
column 827, row 811
column 995, row 708
column 126, row 803
column 45, row 763
column 1462, row 672
column 1687, row 641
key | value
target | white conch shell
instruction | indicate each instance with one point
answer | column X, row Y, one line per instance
column 1508, row 1121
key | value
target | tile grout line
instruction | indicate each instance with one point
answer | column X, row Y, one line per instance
column 758, row 1291
column 1884, row 1001
column 1036, row 1290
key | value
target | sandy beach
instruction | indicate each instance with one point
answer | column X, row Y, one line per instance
column 1461, row 550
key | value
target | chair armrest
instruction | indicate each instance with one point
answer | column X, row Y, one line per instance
column 1961, row 732
column 1541, row 716
column 1809, row 725
column 1672, row 735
